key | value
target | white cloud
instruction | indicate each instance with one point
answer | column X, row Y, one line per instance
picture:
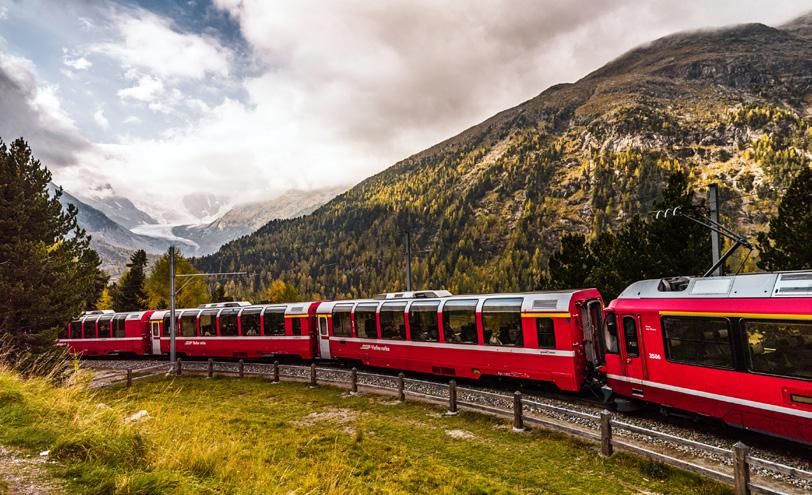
column 132, row 119
column 146, row 89
column 3, row 13
column 78, row 63
column 152, row 45
column 101, row 119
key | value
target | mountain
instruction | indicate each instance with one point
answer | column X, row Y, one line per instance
column 203, row 205
column 113, row 242
column 245, row 219
column 488, row 206
column 117, row 208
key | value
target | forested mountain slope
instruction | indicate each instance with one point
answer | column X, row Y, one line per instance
column 488, row 206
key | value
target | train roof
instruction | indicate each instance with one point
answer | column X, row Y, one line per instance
column 531, row 301
column 748, row 285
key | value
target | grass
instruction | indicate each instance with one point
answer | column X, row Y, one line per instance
column 229, row 436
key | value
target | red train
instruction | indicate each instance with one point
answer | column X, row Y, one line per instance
column 738, row 348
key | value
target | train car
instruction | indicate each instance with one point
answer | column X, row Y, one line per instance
column 246, row 331
column 737, row 348
column 102, row 333
column 545, row 336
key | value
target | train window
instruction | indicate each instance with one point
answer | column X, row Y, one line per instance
column 365, row 326
column 90, row 327
column 296, row 326
column 274, row 321
column 610, row 333
column 502, row 322
column 188, row 322
column 459, row 321
column 249, row 319
column 423, row 321
column 104, row 327
column 76, row 329
column 208, row 323
column 781, row 348
column 118, row 326
column 167, row 325
column 545, row 331
column 393, row 322
column 700, row 341
column 228, row 322
column 342, row 322
column 630, row 336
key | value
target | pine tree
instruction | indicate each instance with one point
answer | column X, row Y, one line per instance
column 569, row 267
column 788, row 243
column 130, row 293
column 48, row 272
column 219, row 294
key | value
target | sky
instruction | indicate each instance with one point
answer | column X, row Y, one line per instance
column 240, row 100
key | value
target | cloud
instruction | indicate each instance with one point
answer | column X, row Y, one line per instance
column 79, row 63
column 33, row 111
column 132, row 119
column 3, row 13
column 101, row 119
column 146, row 89
column 153, row 45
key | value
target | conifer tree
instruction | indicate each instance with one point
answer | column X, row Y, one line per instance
column 570, row 265
column 788, row 243
column 130, row 293
column 48, row 272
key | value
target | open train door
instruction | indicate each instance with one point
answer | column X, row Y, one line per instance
column 324, row 338
column 592, row 318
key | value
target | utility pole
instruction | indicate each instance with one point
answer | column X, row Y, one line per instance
column 172, row 319
column 408, row 259
column 716, row 248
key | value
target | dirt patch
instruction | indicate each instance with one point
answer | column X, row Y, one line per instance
column 333, row 415
column 460, row 434
column 26, row 475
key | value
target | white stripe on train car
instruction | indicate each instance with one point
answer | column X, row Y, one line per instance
column 709, row 395
column 467, row 347
column 239, row 338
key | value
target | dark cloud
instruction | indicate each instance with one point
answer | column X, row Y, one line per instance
column 34, row 114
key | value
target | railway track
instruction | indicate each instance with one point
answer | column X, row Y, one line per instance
column 499, row 393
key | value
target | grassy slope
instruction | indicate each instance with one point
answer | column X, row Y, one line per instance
column 262, row 438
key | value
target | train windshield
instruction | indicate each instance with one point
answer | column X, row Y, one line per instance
column 781, row 348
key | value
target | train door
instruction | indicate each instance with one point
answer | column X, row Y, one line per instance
column 591, row 316
column 156, row 337
column 324, row 338
column 631, row 360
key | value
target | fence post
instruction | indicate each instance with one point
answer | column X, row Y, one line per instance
column 313, row 375
column 353, row 380
column 518, row 420
column 129, row 377
column 606, row 433
column 211, row 367
column 178, row 367
column 741, row 469
column 452, row 398
column 276, row 371
column 242, row 368
column 401, row 384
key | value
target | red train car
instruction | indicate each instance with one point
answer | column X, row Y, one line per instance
column 247, row 331
column 538, row 336
column 738, row 348
column 102, row 333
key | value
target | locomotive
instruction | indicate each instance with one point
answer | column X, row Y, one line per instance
column 737, row 348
